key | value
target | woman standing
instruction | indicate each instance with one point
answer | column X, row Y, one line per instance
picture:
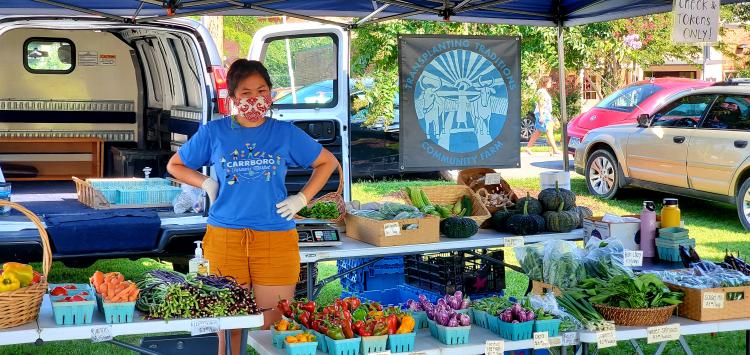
column 250, row 234
column 543, row 113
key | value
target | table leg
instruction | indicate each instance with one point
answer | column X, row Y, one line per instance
column 563, row 350
column 661, row 347
column 636, row 347
column 228, row 341
column 685, row 346
column 584, row 348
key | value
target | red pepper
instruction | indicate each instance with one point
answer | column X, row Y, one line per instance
column 285, row 308
column 315, row 324
column 346, row 326
column 347, row 316
column 392, row 323
column 323, row 328
column 380, row 328
column 370, row 326
column 353, row 303
column 359, row 327
column 309, row 306
column 304, row 318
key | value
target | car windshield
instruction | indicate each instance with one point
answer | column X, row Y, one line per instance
column 628, row 98
column 316, row 93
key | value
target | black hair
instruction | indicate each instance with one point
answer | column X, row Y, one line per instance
column 241, row 69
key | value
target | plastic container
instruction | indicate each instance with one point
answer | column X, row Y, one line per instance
column 551, row 326
column 670, row 213
column 420, row 320
column 151, row 195
column 516, row 331
column 373, row 344
column 322, row 343
column 670, row 250
column 74, row 313
column 674, row 233
column 383, row 274
column 493, row 323
column 309, row 348
column 648, row 229
column 453, row 335
column 480, row 318
column 448, row 272
column 343, row 347
column 432, row 326
column 401, row 343
column 116, row 312
column 279, row 336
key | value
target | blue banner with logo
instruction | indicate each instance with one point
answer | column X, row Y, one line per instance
column 460, row 102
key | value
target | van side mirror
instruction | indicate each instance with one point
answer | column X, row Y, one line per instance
column 644, row 120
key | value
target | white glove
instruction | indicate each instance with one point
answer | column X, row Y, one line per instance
column 291, row 205
column 211, row 187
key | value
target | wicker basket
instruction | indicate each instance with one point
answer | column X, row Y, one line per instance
column 334, row 197
column 22, row 306
column 449, row 194
column 636, row 317
column 474, row 179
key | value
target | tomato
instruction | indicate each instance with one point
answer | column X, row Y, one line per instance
column 77, row 298
column 59, row 291
column 84, row 293
column 37, row 277
column 71, row 287
column 68, row 299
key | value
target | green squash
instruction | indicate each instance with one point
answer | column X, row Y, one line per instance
column 525, row 223
column 458, row 227
column 552, row 198
column 534, row 206
column 500, row 218
column 561, row 221
column 583, row 213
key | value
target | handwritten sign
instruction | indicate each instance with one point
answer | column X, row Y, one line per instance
column 418, row 353
column 606, row 339
column 494, row 347
column 101, row 333
column 513, row 242
column 387, row 352
column 662, row 333
column 555, row 341
column 570, row 339
column 392, row 229
column 713, row 300
column 541, row 340
column 695, row 21
column 633, row 258
column 493, row 179
column 204, row 326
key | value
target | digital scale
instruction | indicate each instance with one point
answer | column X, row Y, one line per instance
column 317, row 233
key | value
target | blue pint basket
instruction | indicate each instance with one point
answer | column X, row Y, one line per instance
column 279, row 336
column 551, row 326
column 493, row 323
column 453, row 335
column 433, row 327
column 309, row 348
column 322, row 343
column 116, row 312
column 73, row 313
column 516, row 331
column 373, row 344
column 344, row 346
column 401, row 343
column 480, row 318
column 420, row 319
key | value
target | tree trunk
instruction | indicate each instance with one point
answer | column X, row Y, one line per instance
column 215, row 25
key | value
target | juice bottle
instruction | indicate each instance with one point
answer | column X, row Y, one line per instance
column 670, row 213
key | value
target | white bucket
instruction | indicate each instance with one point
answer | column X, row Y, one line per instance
column 547, row 179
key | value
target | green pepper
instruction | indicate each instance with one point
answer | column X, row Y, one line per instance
column 335, row 332
column 359, row 314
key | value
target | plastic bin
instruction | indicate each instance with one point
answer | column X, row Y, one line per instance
column 551, row 326
column 322, row 343
column 516, row 331
column 309, row 348
column 493, row 324
column 373, row 344
column 279, row 336
column 670, row 250
column 116, row 312
column 446, row 273
column 453, row 335
column 393, row 296
column 420, row 319
column 74, row 313
column 151, row 195
column 385, row 273
column 401, row 343
column 480, row 318
column 343, row 347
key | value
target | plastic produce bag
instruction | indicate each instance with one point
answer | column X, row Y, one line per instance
column 549, row 304
column 530, row 258
column 605, row 258
column 563, row 264
column 190, row 198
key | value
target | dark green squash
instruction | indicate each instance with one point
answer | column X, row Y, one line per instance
column 500, row 218
column 458, row 227
column 534, row 206
column 525, row 223
column 583, row 213
column 552, row 198
column 561, row 221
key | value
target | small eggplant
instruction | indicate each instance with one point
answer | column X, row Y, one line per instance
column 464, row 320
column 453, row 323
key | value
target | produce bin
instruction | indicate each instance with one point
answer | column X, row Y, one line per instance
column 372, row 231
column 401, row 343
column 670, row 250
column 516, row 331
column 373, row 344
column 674, row 233
column 453, row 335
column 448, row 272
column 74, row 313
column 322, row 343
column 115, row 312
column 343, row 347
column 480, row 318
column 420, row 320
column 692, row 304
column 383, row 274
column 279, row 336
column 551, row 326
column 309, row 348
column 450, row 194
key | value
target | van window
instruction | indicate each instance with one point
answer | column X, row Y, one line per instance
column 303, row 70
column 49, row 55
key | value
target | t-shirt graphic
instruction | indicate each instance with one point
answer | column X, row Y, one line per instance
column 249, row 164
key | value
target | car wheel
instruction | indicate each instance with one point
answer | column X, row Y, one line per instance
column 527, row 128
column 602, row 174
column 743, row 204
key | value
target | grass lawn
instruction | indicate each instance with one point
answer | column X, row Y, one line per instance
column 714, row 226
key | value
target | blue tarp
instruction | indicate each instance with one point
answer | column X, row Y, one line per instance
column 522, row 12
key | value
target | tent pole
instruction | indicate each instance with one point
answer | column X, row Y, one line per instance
column 563, row 96
column 82, row 10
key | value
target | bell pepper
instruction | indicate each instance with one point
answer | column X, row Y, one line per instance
column 335, row 332
column 392, row 322
column 359, row 314
column 407, row 325
column 304, row 318
column 353, row 303
column 285, row 308
column 23, row 273
column 346, row 326
column 380, row 328
column 9, row 282
column 315, row 324
column 375, row 314
column 342, row 304
column 282, row 325
column 309, row 306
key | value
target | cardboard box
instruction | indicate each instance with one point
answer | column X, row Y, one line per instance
column 541, row 288
column 627, row 232
column 392, row 233
column 692, row 306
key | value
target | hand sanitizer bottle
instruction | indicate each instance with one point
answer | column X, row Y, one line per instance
column 198, row 264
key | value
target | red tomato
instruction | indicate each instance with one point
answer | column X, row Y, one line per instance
column 71, row 287
column 36, row 279
column 84, row 293
column 59, row 291
column 68, row 299
column 77, row 298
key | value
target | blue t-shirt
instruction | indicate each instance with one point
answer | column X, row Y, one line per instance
column 251, row 166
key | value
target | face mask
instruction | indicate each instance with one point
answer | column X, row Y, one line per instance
column 253, row 108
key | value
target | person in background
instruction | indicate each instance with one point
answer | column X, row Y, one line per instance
column 545, row 123
column 250, row 233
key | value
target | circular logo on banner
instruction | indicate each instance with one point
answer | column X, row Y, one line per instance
column 461, row 101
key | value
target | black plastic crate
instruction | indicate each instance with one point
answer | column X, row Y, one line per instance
column 130, row 162
column 301, row 289
column 448, row 272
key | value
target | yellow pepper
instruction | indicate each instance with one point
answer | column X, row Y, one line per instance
column 8, row 282
column 377, row 315
column 407, row 325
column 24, row 273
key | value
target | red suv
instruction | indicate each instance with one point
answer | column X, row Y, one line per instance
column 624, row 105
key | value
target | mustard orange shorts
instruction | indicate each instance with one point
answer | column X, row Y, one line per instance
column 268, row 258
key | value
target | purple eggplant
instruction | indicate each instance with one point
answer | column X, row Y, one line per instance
column 465, row 303
column 530, row 315
column 464, row 320
column 453, row 323
column 459, row 295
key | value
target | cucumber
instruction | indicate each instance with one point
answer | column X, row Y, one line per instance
column 425, row 200
column 468, row 205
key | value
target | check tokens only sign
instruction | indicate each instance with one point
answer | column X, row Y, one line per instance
column 695, row 21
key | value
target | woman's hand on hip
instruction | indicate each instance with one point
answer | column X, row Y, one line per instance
column 211, row 187
column 291, row 205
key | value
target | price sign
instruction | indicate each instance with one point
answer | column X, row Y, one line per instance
column 418, row 353
column 494, row 347
column 513, row 242
column 392, row 229
column 713, row 300
column 387, row 352
column 493, row 179
column 555, row 341
column 541, row 340
column 204, row 326
column 633, row 258
column 101, row 333
column 606, row 339
column 570, row 339
column 662, row 333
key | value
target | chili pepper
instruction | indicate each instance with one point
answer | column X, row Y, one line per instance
column 342, row 303
column 375, row 314
column 323, row 328
column 309, row 306
column 392, row 323
column 335, row 332
column 315, row 324
column 359, row 327
column 353, row 302
column 285, row 308
column 380, row 328
column 407, row 325
column 346, row 326
column 347, row 315
column 304, row 318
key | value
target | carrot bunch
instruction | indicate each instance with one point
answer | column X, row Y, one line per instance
column 113, row 287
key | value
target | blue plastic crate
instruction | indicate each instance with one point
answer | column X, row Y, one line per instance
column 151, row 195
column 343, row 347
column 385, row 273
column 551, row 326
column 401, row 343
column 453, row 335
column 393, row 296
column 373, row 344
